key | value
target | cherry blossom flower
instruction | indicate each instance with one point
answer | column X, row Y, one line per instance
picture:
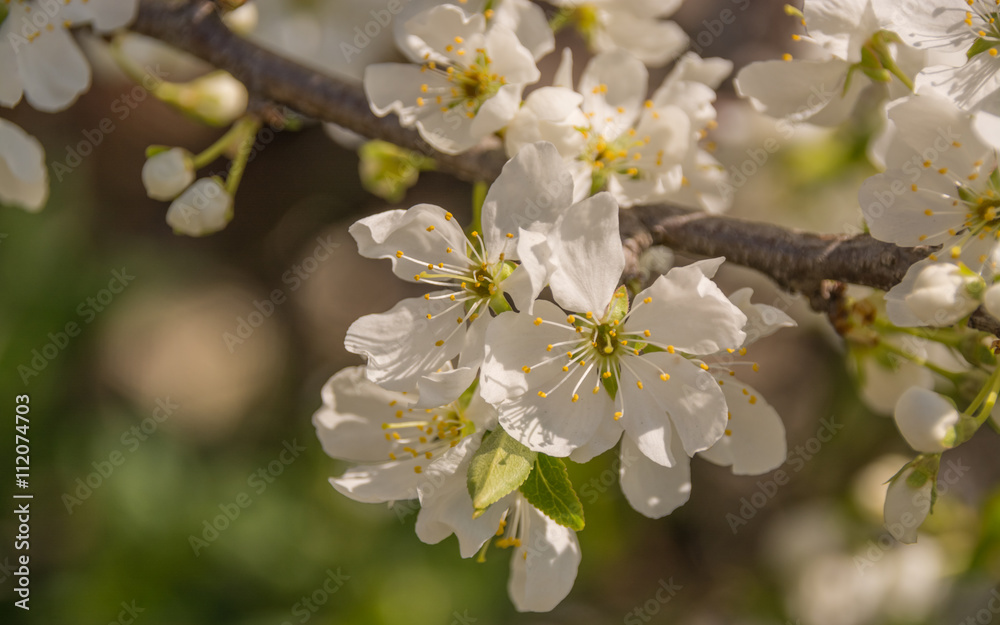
column 856, row 52
column 407, row 345
column 934, row 294
column 166, row 174
column 469, row 83
column 609, row 134
column 963, row 36
column 24, row 179
column 754, row 439
column 941, row 184
column 908, row 498
column 39, row 60
column 561, row 380
column 396, row 449
column 633, row 26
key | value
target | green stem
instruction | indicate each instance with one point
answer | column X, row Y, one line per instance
column 479, row 191
column 222, row 144
column 944, row 336
column 923, row 362
column 249, row 126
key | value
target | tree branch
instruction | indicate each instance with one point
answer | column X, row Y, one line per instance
column 797, row 261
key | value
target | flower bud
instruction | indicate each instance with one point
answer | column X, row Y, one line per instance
column 166, row 174
column 943, row 293
column 907, row 503
column 991, row 300
column 216, row 98
column 926, row 420
column 204, row 208
column 243, row 19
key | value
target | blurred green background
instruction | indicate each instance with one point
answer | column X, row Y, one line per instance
column 811, row 554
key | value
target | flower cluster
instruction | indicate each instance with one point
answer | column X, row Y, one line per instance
column 934, row 71
column 480, row 373
column 469, row 71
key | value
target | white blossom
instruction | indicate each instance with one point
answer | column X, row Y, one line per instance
column 934, row 294
column 926, row 420
column 907, row 503
column 39, row 60
column 166, row 174
column 203, row 208
column 24, row 179
column 406, row 346
column 469, row 83
column 855, row 51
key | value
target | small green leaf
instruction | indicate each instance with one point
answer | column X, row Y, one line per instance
column 979, row 46
column 499, row 467
column 618, row 307
column 548, row 488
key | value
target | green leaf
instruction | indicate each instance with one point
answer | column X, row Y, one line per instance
column 619, row 305
column 979, row 46
column 499, row 467
column 548, row 488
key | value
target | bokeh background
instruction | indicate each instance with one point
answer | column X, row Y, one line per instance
column 814, row 552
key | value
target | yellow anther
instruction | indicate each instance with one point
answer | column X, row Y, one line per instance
column 430, row 228
column 638, row 383
column 670, row 349
column 538, row 321
column 417, row 469
column 646, row 333
column 571, row 319
column 664, row 376
column 575, row 398
column 618, row 415
column 526, row 369
column 753, row 399
column 786, row 57
column 542, row 394
column 647, row 300
column 606, row 375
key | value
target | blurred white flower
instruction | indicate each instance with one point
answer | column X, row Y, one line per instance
column 934, row 294
column 39, row 59
column 926, row 420
column 633, row 26
column 856, row 52
column 203, row 208
column 24, row 179
column 908, row 502
column 166, row 174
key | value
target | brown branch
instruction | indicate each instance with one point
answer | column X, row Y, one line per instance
column 797, row 261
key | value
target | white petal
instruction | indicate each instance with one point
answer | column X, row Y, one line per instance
column 762, row 320
column 400, row 344
column 754, row 442
column 936, row 26
column 532, row 275
column 688, row 311
column 508, row 58
column 202, row 209
column 613, row 81
column 691, row 67
column 834, row 24
column 926, row 420
column 897, row 214
column 654, row 42
column 434, row 31
column 564, row 73
column 385, row 234
column 906, row 507
column 652, row 489
column 446, row 507
column 349, row 424
column 690, row 396
column 931, row 124
column 496, row 112
column 607, row 435
column 531, row 192
column 544, row 567
column 527, row 20
column 588, row 252
column 53, row 70
column 794, row 89
column 382, row 482
column 24, row 179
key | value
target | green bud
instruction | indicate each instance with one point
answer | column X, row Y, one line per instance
column 388, row 170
